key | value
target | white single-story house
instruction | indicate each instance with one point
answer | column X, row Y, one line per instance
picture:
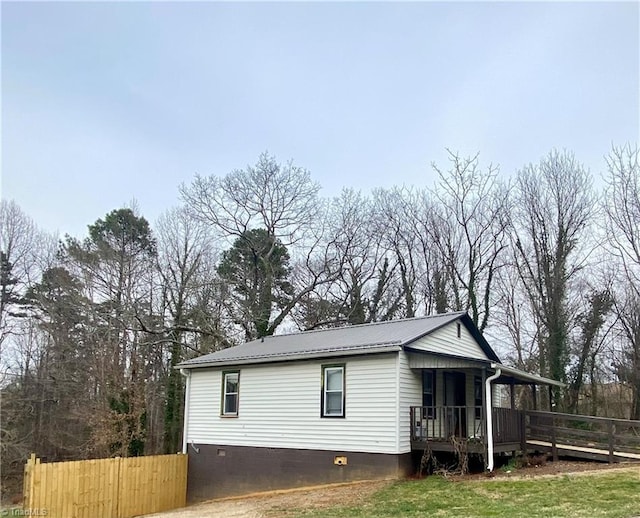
column 343, row 404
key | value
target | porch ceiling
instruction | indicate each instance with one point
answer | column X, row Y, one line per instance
column 516, row 376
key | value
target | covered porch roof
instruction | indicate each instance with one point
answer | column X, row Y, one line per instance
column 513, row 376
column 419, row 359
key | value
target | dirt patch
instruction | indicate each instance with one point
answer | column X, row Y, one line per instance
column 550, row 469
column 348, row 495
column 281, row 503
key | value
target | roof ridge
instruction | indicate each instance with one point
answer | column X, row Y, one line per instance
column 425, row 317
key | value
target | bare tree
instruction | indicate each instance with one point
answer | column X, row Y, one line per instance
column 394, row 230
column 627, row 357
column 25, row 251
column 554, row 204
column 21, row 252
column 622, row 224
column 186, row 264
column 432, row 290
column 516, row 321
column 282, row 199
column 274, row 204
column 187, row 254
column 622, row 209
column 469, row 229
column 364, row 290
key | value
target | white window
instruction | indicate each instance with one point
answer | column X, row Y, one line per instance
column 230, row 392
column 333, row 396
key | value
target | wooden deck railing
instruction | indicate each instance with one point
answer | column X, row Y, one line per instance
column 586, row 432
column 439, row 423
column 508, row 426
column 443, row 422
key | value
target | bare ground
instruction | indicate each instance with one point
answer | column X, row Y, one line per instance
column 551, row 469
column 279, row 503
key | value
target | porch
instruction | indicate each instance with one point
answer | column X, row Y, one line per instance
column 459, row 393
column 569, row 435
column 435, row 427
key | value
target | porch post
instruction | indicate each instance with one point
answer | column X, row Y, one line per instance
column 483, row 414
column 550, row 398
column 513, row 394
column 513, row 404
column 535, row 397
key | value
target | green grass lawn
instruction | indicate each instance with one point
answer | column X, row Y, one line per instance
column 611, row 495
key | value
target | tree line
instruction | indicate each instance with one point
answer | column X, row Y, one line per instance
column 91, row 327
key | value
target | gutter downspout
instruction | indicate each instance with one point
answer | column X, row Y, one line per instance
column 187, row 395
column 489, row 400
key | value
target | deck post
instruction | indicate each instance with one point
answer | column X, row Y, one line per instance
column 554, row 446
column 413, row 423
column 612, row 429
column 535, row 397
column 523, row 434
column 513, row 404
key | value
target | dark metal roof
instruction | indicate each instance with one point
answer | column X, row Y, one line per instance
column 377, row 337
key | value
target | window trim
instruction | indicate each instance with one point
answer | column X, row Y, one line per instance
column 224, row 394
column 323, row 391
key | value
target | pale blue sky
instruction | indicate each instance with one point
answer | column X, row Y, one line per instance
column 106, row 102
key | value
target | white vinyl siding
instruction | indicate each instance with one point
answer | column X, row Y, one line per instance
column 279, row 407
column 500, row 396
column 446, row 341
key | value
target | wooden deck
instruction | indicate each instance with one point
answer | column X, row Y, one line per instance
column 567, row 435
column 471, row 446
column 567, row 450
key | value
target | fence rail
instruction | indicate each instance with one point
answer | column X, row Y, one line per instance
column 614, row 437
column 105, row 488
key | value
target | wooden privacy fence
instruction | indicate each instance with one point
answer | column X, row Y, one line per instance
column 105, row 488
